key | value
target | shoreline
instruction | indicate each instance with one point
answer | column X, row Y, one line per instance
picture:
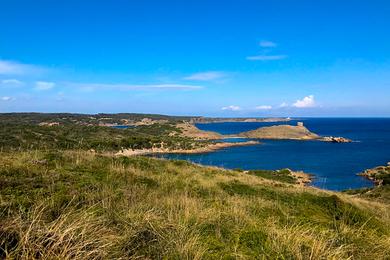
column 206, row 149
column 379, row 175
column 290, row 132
column 303, row 178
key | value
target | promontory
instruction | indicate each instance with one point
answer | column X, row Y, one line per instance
column 290, row 132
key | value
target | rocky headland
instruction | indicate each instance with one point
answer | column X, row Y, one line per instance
column 190, row 130
column 290, row 132
column 281, row 132
column 209, row 141
column 379, row 175
column 302, row 178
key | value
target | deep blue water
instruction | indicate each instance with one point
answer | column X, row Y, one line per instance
column 334, row 165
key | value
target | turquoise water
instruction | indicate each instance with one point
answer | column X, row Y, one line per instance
column 333, row 165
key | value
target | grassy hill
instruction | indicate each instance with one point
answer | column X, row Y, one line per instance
column 281, row 132
column 14, row 136
column 63, row 195
column 77, row 204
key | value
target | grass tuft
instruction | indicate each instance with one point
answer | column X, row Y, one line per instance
column 79, row 205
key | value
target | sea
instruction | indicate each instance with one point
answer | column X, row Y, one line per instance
column 333, row 165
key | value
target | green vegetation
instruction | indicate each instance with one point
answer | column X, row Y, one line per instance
column 381, row 193
column 63, row 195
column 281, row 175
column 83, row 119
column 380, row 175
column 18, row 136
column 78, row 204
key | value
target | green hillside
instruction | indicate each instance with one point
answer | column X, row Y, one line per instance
column 78, row 204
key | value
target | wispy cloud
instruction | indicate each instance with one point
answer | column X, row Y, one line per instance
column 16, row 68
column 267, row 57
column 265, row 50
column 206, row 76
column 284, row 104
column 11, row 82
column 264, row 107
column 267, row 44
column 232, row 108
column 305, row 102
column 44, row 85
column 6, row 98
column 128, row 87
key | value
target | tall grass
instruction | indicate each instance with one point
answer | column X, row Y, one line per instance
column 79, row 205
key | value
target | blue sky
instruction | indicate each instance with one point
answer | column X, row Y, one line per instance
column 212, row 58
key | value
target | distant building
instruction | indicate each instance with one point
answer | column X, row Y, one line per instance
column 300, row 124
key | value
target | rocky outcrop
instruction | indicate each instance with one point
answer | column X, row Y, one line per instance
column 301, row 177
column 290, row 132
column 379, row 175
column 336, row 139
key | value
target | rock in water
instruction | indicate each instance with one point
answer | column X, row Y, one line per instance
column 336, row 139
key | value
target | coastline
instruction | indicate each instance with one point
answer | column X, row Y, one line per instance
column 303, row 178
column 379, row 175
column 289, row 132
column 205, row 149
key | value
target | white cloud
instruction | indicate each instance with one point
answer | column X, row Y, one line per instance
column 305, row 102
column 267, row 57
column 206, row 76
column 16, row 68
column 6, row 98
column 13, row 82
column 232, row 108
column 128, row 87
column 267, row 44
column 264, row 107
column 284, row 104
column 43, row 85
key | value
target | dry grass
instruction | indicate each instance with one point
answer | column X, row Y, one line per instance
column 81, row 205
column 73, row 235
